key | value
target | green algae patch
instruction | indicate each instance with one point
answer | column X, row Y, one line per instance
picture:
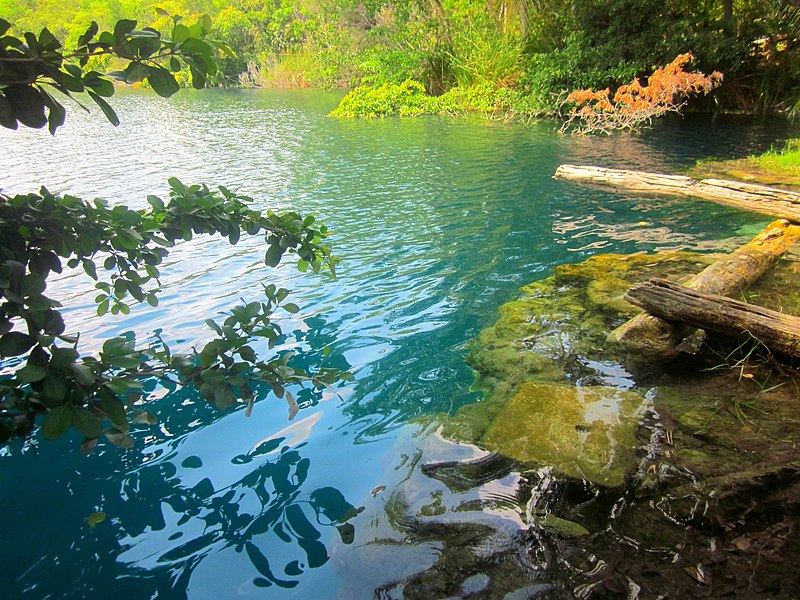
column 558, row 322
column 583, row 432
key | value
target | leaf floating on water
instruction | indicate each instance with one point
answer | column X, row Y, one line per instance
column 377, row 490
column 95, row 518
column 698, row 574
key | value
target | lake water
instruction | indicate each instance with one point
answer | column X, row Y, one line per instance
column 438, row 221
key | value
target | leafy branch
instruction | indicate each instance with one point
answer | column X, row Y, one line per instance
column 31, row 66
column 41, row 231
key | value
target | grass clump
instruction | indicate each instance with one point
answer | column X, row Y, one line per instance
column 788, row 158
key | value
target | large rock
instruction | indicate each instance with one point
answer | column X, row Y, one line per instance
column 583, row 432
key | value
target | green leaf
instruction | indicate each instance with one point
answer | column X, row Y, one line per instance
column 123, row 27
column 273, row 255
column 223, row 396
column 134, row 72
column 47, row 41
column 180, row 33
column 213, row 325
column 105, row 107
column 195, row 46
column 100, row 86
column 174, row 64
column 291, row 307
column 31, row 373
column 198, row 78
column 27, row 105
column 118, row 386
column 115, row 411
column 83, row 374
column 15, row 343
column 155, row 202
column 57, row 113
column 54, row 389
column 162, row 81
column 89, row 34
column 102, row 308
column 63, row 357
column 7, row 118
column 4, row 26
column 90, row 268
column 57, row 421
column 87, row 423
column 33, row 285
column 176, row 185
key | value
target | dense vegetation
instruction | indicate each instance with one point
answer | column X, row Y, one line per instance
column 516, row 56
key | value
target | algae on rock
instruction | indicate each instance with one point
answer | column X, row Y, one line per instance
column 544, row 363
column 549, row 333
column 584, row 432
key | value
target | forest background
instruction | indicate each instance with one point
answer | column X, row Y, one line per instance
column 515, row 56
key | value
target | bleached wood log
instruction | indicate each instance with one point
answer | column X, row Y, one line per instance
column 740, row 269
column 746, row 196
column 777, row 331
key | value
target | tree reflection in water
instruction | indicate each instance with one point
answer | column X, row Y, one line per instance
column 264, row 515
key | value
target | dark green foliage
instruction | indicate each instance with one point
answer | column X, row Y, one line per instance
column 122, row 250
column 31, row 66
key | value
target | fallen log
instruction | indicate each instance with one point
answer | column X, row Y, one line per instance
column 746, row 196
column 777, row 331
column 738, row 270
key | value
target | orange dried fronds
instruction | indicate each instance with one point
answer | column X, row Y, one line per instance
column 634, row 104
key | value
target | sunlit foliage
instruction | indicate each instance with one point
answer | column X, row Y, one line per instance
column 635, row 105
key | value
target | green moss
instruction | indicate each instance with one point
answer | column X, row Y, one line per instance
column 435, row 508
column 561, row 527
column 545, row 335
column 774, row 167
column 583, row 432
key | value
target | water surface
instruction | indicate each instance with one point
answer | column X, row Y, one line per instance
column 439, row 222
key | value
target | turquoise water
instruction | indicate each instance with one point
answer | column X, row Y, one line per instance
column 438, row 222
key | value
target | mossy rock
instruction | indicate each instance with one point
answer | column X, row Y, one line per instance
column 583, row 432
column 544, row 335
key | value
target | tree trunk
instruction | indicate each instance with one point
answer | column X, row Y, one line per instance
column 746, row 196
column 710, row 312
column 652, row 335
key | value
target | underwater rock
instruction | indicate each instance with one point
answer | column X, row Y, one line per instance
column 559, row 323
column 583, row 432
column 558, row 526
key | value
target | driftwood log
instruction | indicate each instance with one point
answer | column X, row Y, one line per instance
column 711, row 312
column 746, row 196
column 738, row 270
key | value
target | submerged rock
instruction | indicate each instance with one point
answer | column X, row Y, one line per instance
column 583, row 432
